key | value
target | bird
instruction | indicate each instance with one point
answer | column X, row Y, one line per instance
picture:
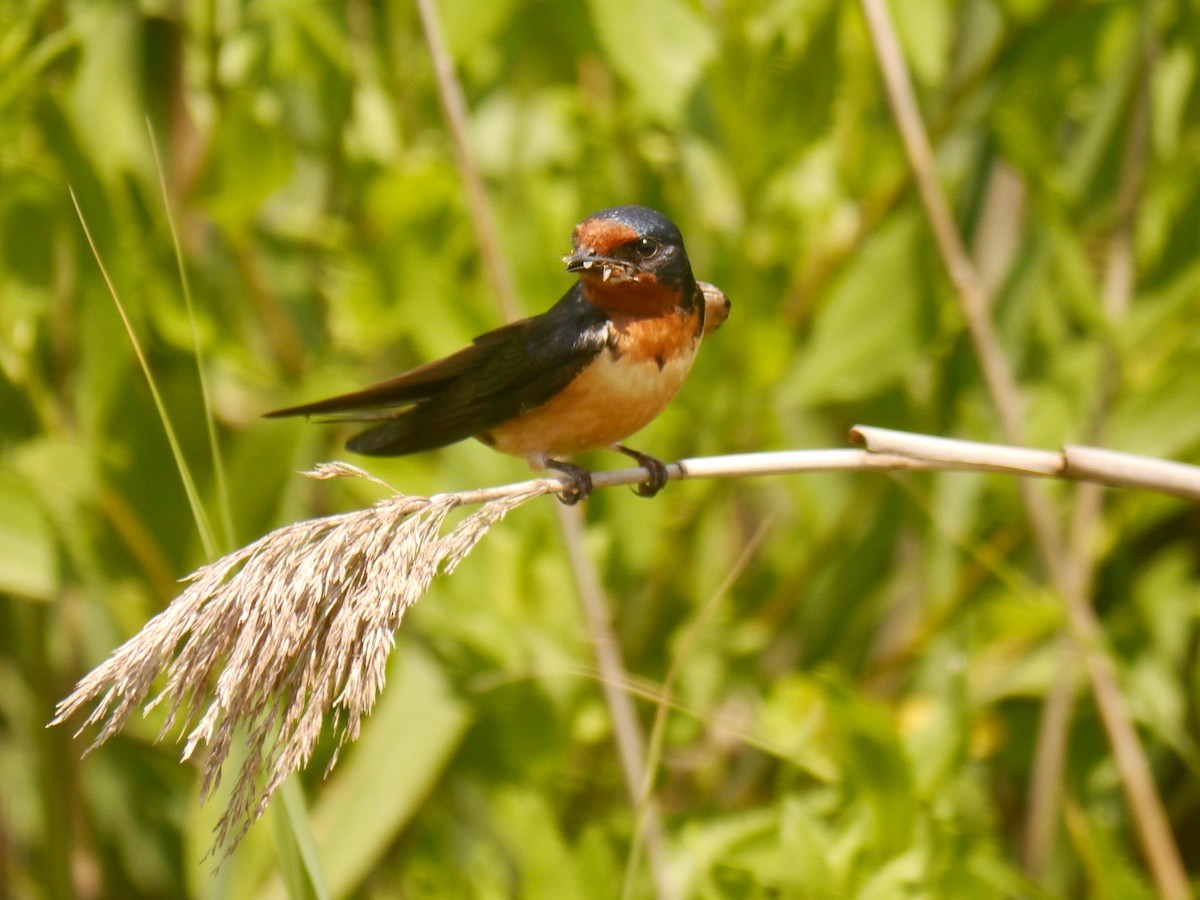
column 596, row 367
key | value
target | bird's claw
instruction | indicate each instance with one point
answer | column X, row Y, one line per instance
column 581, row 482
column 656, row 467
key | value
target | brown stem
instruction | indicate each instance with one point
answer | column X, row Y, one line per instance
column 1117, row 291
column 1145, row 804
column 630, row 741
column 454, row 107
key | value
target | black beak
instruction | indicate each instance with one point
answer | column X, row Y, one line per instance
column 586, row 260
column 581, row 260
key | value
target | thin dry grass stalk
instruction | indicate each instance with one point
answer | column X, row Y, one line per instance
column 272, row 637
column 294, row 626
column 1146, row 805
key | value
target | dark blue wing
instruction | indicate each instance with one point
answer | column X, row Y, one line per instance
column 500, row 375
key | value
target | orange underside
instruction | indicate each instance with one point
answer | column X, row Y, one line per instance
column 619, row 393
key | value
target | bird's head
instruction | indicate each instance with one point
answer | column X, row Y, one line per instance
column 629, row 244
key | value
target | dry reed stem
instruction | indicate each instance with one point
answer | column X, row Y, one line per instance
column 1145, row 804
column 629, row 739
column 273, row 637
column 1045, row 779
column 454, row 106
column 627, row 730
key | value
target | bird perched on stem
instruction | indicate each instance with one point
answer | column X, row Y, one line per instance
column 593, row 369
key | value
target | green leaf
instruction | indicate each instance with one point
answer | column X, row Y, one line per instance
column 410, row 738
column 107, row 104
column 28, row 558
column 294, row 841
column 471, row 26
column 867, row 334
column 925, row 29
column 659, row 49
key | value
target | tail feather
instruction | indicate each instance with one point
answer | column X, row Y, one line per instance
column 422, row 383
column 406, row 433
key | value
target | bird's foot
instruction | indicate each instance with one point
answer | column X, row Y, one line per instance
column 656, row 467
column 581, row 481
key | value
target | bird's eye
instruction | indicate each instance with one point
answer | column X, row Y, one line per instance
column 646, row 248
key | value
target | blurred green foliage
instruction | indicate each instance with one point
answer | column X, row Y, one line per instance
column 860, row 718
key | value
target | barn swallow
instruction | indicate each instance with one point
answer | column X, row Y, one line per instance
column 593, row 369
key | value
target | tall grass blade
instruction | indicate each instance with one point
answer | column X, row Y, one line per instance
column 203, row 525
column 214, row 446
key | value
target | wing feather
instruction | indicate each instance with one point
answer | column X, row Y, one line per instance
column 421, row 383
column 499, row 376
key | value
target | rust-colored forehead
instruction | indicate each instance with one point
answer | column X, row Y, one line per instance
column 602, row 236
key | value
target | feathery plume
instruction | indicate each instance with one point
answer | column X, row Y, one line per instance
column 273, row 637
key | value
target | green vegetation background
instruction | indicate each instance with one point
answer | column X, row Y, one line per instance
column 860, row 717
